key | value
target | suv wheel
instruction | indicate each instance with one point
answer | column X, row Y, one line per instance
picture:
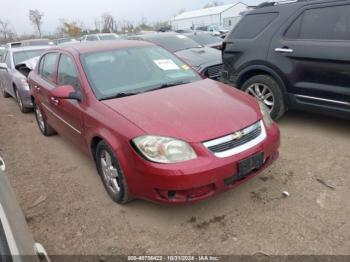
column 111, row 174
column 44, row 127
column 266, row 90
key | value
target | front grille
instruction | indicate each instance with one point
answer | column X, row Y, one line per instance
column 235, row 143
column 214, row 71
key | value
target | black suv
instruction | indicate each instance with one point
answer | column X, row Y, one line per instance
column 294, row 55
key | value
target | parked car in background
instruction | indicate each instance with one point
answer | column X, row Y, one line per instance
column 100, row 37
column 37, row 42
column 293, row 56
column 205, row 60
column 216, row 30
column 2, row 52
column 16, row 241
column 14, row 83
column 67, row 40
column 206, row 39
column 154, row 127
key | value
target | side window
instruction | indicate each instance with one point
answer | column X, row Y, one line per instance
column 327, row 23
column 48, row 66
column 67, row 73
column 251, row 25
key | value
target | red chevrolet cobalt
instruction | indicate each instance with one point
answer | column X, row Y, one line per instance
column 154, row 127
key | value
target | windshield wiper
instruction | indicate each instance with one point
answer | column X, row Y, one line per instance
column 166, row 85
column 119, row 95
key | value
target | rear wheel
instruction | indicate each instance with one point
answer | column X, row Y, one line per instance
column 268, row 91
column 44, row 127
column 111, row 174
column 20, row 103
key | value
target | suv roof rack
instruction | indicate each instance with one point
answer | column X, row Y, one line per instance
column 273, row 3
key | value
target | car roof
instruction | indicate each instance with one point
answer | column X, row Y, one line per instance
column 100, row 46
column 287, row 5
column 29, row 48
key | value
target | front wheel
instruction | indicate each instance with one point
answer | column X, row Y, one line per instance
column 111, row 174
column 20, row 103
column 44, row 127
column 268, row 91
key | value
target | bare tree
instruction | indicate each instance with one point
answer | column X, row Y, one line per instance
column 212, row 4
column 181, row 11
column 5, row 30
column 36, row 18
column 108, row 23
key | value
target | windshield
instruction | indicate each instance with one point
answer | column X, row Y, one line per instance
column 134, row 70
column 108, row 37
column 19, row 57
column 205, row 39
column 175, row 43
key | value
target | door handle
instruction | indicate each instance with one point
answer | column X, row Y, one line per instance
column 284, row 50
column 36, row 87
column 55, row 101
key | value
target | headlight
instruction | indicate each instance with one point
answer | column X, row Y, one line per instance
column 266, row 115
column 164, row 150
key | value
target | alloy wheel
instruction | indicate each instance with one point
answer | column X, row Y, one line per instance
column 263, row 93
column 110, row 172
column 40, row 118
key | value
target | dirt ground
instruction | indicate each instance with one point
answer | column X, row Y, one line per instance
column 69, row 212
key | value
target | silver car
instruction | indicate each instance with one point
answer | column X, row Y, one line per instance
column 16, row 241
column 12, row 81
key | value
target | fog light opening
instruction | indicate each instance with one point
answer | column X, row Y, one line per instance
column 171, row 194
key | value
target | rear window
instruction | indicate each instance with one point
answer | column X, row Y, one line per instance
column 22, row 56
column 251, row 25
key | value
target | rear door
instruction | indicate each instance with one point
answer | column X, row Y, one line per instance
column 43, row 84
column 313, row 50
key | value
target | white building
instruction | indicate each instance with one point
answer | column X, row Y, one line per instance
column 224, row 15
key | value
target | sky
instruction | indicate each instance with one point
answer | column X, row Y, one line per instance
column 16, row 11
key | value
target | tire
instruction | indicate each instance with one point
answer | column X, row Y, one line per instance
column 22, row 108
column 273, row 96
column 4, row 93
column 119, row 193
column 44, row 127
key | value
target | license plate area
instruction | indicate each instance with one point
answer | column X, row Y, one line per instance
column 246, row 166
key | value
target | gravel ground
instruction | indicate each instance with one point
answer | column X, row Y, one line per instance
column 69, row 212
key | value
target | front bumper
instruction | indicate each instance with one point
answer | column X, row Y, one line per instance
column 196, row 179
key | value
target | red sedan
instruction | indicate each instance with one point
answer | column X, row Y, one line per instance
column 154, row 127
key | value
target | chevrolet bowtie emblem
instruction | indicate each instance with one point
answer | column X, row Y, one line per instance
column 237, row 135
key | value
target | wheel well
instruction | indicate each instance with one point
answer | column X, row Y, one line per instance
column 94, row 142
column 256, row 72
column 250, row 74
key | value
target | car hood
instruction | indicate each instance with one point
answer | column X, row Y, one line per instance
column 200, row 56
column 194, row 112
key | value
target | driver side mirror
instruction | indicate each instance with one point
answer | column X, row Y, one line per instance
column 67, row 92
column 3, row 66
